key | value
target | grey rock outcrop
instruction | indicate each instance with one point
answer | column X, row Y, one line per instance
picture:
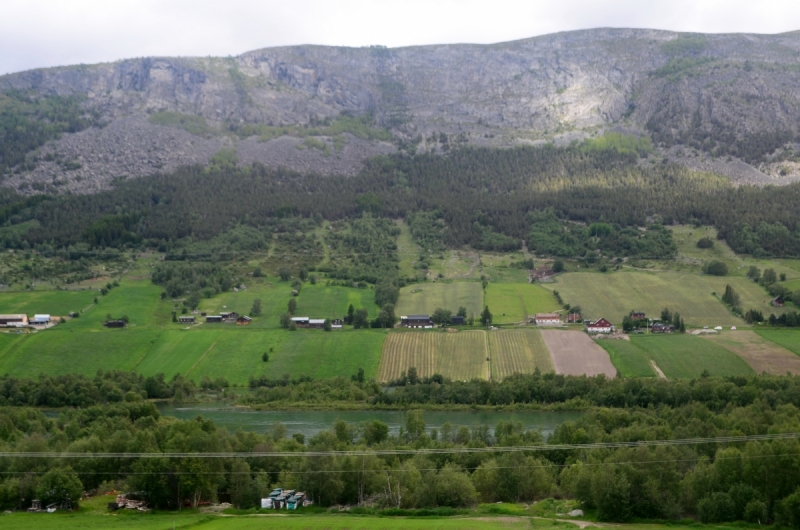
column 712, row 90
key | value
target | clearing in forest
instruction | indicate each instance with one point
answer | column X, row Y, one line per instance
column 761, row 354
column 512, row 302
column 575, row 353
column 461, row 356
column 614, row 295
column 518, row 351
column 425, row 298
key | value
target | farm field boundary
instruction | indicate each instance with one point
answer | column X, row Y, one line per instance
column 460, row 356
column 518, row 351
column 761, row 354
column 575, row 353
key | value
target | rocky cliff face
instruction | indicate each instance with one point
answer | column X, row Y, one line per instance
column 729, row 103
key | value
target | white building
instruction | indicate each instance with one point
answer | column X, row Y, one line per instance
column 547, row 319
column 40, row 319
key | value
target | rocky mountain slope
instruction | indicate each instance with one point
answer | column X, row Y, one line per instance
column 727, row 103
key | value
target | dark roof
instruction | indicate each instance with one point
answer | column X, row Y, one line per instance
column 418, row 317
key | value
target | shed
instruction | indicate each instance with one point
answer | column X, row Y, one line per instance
column 547, row 319
column 243, row 320
column 416, row 321
column 186, row 319
column 40, row 319
column 573, row 318
column 316, row 323
column 778, row 301
column 301, row 322
column 213, row 318
column 13, row 320
column 458, row 320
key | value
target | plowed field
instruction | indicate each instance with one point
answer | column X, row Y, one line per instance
column 575, row 353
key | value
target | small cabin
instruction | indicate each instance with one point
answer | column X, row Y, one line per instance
column 301, row 322
column 638, row 315
column 213, row 319
column 337, row 323
column 316, row 323
column 458, row 320
column 573, row 318
column 243, row 320
column 660, row 327
column 186, row 319
column 778, row 301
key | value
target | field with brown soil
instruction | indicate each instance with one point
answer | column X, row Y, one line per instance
column 460, row 356
column 518, row 351
column 575, row 353
column 761, row 354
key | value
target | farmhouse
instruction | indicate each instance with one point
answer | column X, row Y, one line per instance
column 115, row 324
column 416, row 321
column 458, row 320
column 638, row 315
column 213, row 319
column 573, row 318
column 186, row 319
column 13, row 320
column 599, row 326
column 547, row 319
column 661, row 327
column 778, row 301
column 243, row 320
column 301, row 322
column 41, row 319
column 336, row 323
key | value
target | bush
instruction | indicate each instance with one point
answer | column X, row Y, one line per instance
column 705, row 242
column 715, row 268
column 755, row 512
column 58, row 485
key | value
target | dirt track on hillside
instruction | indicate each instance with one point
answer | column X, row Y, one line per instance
column 575, row 353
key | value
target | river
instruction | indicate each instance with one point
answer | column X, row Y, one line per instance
column 310, row 422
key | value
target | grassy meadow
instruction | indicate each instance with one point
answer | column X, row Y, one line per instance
column 512, row 302
column 628, row 358
column 678, row 356
column 56, row 303
column 425, row 298
column 614, row 295
column 789, row 339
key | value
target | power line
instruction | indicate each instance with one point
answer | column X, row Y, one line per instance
column 422, row 451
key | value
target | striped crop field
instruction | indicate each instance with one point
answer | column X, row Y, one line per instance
column 459, row 355
column 518, row 351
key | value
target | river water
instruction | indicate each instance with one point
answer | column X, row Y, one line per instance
column 310, row 422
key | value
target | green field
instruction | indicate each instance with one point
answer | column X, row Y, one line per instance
column 789, row 339
column 614, row 295
column 152, row 343
column 628, row 358
column 56, row 303
column 315, row 301
column 512, row 302
column 680, row 356
column 425, row 298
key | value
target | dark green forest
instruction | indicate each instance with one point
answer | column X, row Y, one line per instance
column 755, row 481
column 488, row 199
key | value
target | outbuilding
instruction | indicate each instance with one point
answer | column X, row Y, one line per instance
column 41, row 319
column 213, row 319
column 599, row 326
column 301, row 322
column 186, row 319
column 416, row 321
column 337, row 323
column 547, row 319
column 13, row 320
column 243, row 320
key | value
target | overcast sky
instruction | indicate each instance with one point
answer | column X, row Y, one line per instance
column 40, row 33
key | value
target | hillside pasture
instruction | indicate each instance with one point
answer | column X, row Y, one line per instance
column 512, row 302
column 518, row 351
column 688, row 356
column 629, row 359
column 56, row 303
column 425, row 298
column 575, row 353
column 614, row 295
column 460, row 356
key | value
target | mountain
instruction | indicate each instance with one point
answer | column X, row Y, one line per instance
column 726, row 103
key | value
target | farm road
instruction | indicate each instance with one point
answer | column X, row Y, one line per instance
column 575, row 353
